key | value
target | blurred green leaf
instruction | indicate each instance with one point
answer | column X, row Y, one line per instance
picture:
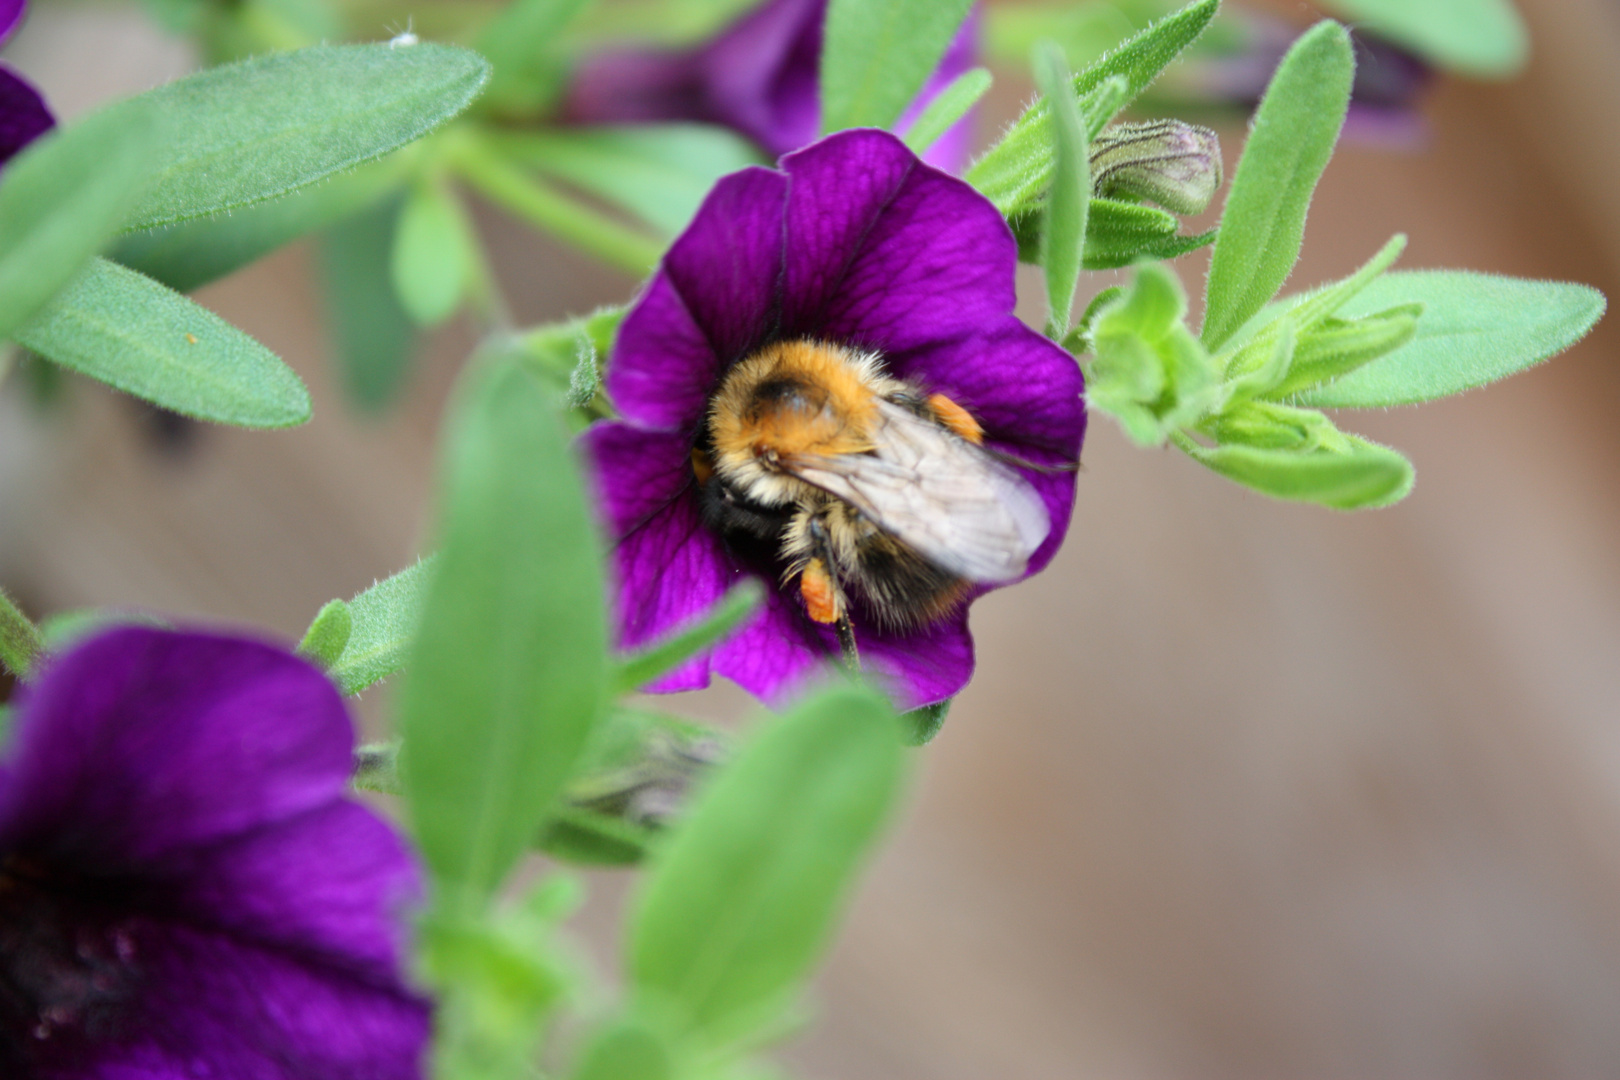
column 383, row 622
column 129, row 332
column 1363, row 476
column 1476, row 37
column 740, row 901
column 1290, row 141
column 1017, row 168
column 947, row 109
column 1475, row 329
column 1063, row 226
column 509, row 671
column 62, row 199
column 262, row 128
column 661, row 173
column 877, row 54
column 733, row 610
column 626, row 1051
column 372, row 335
column 919, row 726
column 521, row 43
column 435, row 254
column 190, row 254
column 328, row 634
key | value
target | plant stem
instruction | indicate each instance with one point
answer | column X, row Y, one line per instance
column 551, row 211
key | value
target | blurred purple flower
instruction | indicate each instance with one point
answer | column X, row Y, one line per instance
column 758, row 77
column 185, row 889
column 1383, row 99
column 854, row 242
column 23, row 115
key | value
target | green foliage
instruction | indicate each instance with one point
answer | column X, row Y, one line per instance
column 919, row 726
column 509, row 671
column 1063, row 226
column 626, row 1051
column 1290, row 142
column 259, row 129
column 521, row 43
column 877, row 54
column 328, row 634
column 61, row 200
column 435, row 254
column 947, row 108
column 1476, row 37
column 659, row 173
column 383, row 622
column 1475, row 329
column 728, row 616
column 1018, row 168
column 190, row 254
column 569, row 356
column 739, row 902
column 373, row 337
column 1360, row 475
column 1117, row 234
column 20, row 641
column 128, row 331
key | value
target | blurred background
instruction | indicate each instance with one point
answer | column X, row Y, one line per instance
column 1241, row 789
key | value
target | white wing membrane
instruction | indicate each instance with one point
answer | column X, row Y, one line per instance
column 940, row 495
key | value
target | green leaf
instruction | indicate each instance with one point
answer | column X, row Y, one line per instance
column 509, row 672
column 1475, row 329
column 919, row 726
column 1011, row 171
column 660, row 173
column 626, row 1051
column 1063, row 230
column 947, row 109
column 383, row 626
column 1339, row 346
column 569, row 355
column 1475, row 37
column 262, row 128
column 20, row 640
column 741, row 900
column 372, row 335
column 1290, row 142
column 131, row 333
column 728, row 616
column 1364, row 476
column 435, row 254
column 521, row 43
column 190, row 254
column 877, row 54
column 61, row 200
column 328, row 634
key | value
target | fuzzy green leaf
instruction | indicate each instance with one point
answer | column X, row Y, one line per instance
column 255, row 130
column 1290, row 142
column 509, row 672
column 383, row 625
column 328, row 634
column 61, row 200
column 876, row 55
column 1338, row 346
column 372, row 335
column 739, row 904
column 1475, row 329
column 1476, row 37
column 129, row 332
column 1063, row 228
column 947, row 109
column 1363, row 476
column 733, row 610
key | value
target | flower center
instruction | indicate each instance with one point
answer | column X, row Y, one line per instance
column 68, row 966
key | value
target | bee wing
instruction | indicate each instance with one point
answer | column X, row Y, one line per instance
column 939, row 494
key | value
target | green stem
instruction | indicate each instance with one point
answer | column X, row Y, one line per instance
column 548, row 209
column 20, row 643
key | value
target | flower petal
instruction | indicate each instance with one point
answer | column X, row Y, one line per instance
column 951, row 150
column 23, row 115
column 763, row 71
column 670, row 568
column 887, row 253
column 141, row 742
column 921, row 667
column 11, row 13
column 776, row 655
column 713, row 300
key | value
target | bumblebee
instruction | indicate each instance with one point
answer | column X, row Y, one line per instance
column 868, row 489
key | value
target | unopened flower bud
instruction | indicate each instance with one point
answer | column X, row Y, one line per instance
column 1173, row 164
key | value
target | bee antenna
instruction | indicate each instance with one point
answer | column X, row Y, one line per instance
column 1024, row 463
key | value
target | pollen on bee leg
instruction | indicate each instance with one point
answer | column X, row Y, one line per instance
column 820, row 595
column 956, row 418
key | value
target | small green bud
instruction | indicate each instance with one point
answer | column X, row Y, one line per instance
column 1168, row 162
column 328, row 635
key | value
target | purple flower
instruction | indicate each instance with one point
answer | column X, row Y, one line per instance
column 185, row 889
column 23, row 115
column 855, row 243
column 758, row 77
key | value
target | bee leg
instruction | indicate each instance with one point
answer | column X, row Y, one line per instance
column 823, row 600
column 846, row 642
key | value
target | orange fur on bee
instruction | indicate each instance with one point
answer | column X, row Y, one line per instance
column 956, row 418
column 795, row 397
column 820, row 597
